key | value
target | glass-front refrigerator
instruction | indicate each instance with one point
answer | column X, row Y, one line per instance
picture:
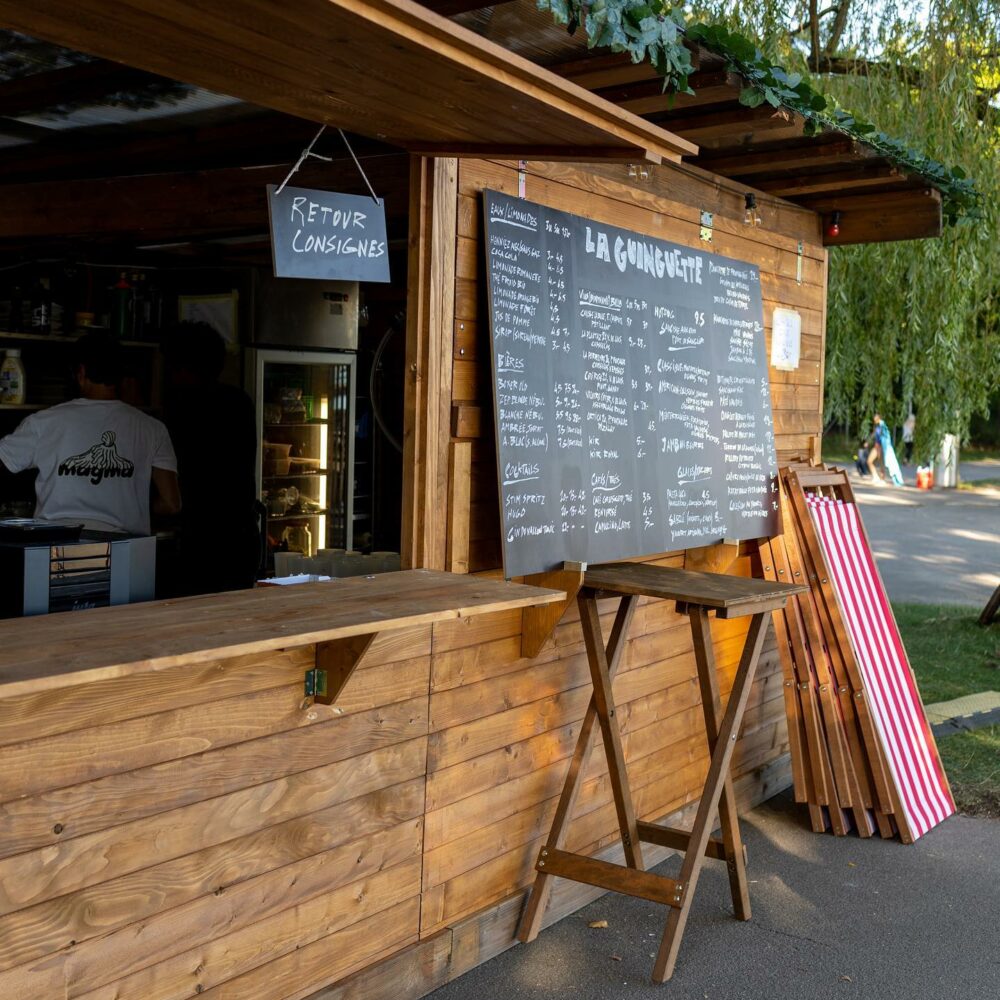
column 305, row 463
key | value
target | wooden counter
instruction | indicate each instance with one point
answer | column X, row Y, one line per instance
column 41, row 654
column 177, row 820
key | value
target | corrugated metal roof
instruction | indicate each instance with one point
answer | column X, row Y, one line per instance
column 109, row 113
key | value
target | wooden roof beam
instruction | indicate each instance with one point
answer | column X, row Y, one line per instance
column 731, row 123
column 570, row 154
column 259, row 140
column 448, row 8
column 647, row 96
column 833, row 181
column 881, row 217
column 799, row 154
column 177, row 205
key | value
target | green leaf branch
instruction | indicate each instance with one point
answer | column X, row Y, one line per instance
column 654, row 31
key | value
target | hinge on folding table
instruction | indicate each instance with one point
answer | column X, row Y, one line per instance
column 315, row 684
column 678, row 893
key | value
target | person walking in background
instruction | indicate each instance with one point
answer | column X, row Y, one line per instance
column 909, row 426
column 886, row 454
column 861, row 458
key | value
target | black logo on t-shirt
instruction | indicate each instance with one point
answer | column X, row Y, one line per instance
column 99, row 463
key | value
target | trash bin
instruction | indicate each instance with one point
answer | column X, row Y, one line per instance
column 946, row 464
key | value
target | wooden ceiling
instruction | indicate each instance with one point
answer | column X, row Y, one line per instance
column 499, row 81
column 391, row 69
column 765, row 149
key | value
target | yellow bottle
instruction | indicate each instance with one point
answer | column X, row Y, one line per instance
column 13, row 383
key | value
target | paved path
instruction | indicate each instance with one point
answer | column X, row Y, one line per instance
column 832, row 918
column 936, row 546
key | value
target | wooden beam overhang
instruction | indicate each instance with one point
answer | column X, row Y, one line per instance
column 794, row 154
column 390, row 69
column 883, row 217
column 834, row 181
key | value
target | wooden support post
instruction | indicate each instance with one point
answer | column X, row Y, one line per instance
column 718, row 770
column 459, row 487
column 337, row 660
column 537, row 624
column 429, row 331
column 711, row 704
column 610, row 729
column 531, row 919
column 991, row 609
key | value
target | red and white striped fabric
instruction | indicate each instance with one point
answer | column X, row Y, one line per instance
column 892, row 694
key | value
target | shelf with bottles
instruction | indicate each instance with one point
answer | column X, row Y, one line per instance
column 61, row 338
column 293, row 516
column 310, row 474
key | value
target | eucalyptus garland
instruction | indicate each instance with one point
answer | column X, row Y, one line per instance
column 653, row 31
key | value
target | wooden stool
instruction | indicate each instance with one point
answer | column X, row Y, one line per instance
column 696, row 595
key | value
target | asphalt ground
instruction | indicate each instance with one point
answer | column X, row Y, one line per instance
column 935, row 546
column 832, row 918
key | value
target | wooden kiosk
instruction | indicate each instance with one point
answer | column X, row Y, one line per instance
column 198, row 826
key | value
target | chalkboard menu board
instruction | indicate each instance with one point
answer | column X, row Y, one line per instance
column 632, row 403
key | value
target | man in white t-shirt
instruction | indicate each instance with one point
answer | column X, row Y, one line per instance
column 96, row 456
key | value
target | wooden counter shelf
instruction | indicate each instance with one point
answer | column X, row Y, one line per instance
column 102, row 643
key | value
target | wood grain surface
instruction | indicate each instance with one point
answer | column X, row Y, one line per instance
column 120, row 641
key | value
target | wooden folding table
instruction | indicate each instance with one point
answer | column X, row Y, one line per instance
column 696, row 594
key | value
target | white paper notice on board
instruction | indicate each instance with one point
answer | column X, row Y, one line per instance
column 786, row 339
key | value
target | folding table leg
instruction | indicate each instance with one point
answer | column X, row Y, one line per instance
column 610, row 730
column 531, row 919
column 704, row 654
column 694, row 857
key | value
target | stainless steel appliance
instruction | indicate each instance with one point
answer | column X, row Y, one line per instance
column 289, row 312
column 95, row 570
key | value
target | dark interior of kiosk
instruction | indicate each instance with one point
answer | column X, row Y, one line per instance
column 164, row 217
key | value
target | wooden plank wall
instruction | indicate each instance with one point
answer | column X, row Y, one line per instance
column 501, row 727
column 199, row 832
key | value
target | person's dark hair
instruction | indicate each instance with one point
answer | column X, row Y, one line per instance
column 195, row 347
column 100, row 356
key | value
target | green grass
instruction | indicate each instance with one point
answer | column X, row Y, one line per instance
column 970, row 453
column 953, row 656
column 950, row 653
column 977, row 484
column 838, row 448
column 972, row 762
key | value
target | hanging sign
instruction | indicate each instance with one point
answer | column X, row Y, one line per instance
column 786, row 339
column 327, row 236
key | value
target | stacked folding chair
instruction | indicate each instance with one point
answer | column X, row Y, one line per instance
column 863, row 755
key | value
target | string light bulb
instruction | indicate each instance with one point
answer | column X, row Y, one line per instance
column 751, row 217
column 833, row 226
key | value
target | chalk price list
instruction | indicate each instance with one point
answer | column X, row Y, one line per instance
column 632, row 400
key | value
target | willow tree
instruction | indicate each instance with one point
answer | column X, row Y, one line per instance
column 911, row 323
